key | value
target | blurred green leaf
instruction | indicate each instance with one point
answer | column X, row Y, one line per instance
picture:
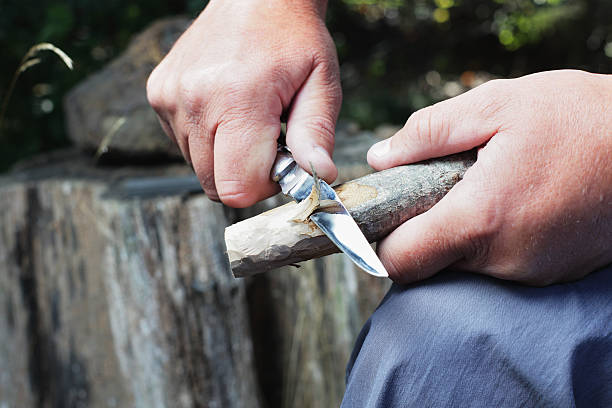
column 57, row 24
column 530, row 24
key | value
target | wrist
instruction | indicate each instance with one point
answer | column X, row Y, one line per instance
column 313, row 7
column 317, row 6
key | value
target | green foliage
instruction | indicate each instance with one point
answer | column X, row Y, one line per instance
column 396, row 55
column 59, row 21
column 389, row 48
column 516, row 22
column 529, row 21
column 92, row 32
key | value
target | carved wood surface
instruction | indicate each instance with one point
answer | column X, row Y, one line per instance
column 379, row 202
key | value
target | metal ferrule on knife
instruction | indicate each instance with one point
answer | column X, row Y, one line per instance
column 293, row 180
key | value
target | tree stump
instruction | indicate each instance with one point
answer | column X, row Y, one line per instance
column 118, row 302
column 115, row 291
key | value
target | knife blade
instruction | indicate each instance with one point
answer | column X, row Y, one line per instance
column 333, row 218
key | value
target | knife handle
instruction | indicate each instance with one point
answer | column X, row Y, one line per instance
column 293, row 180
column 283, row 164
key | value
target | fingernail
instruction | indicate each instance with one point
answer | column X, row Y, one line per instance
column 382, row 148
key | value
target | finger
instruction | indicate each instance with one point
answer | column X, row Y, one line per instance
column 167, row 129
column 161, row 97
column 202, row 151
column 427, row 243
column 244, row 151
column 312, row 121
column 181, row 142
column 455, row 125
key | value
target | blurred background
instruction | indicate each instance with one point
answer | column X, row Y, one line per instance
column 396, row 55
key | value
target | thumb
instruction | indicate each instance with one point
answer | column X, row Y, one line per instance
column 427, row 243
column 312, row 121
column 451, row 126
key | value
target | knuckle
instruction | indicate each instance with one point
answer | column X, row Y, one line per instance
column 209, row 101
column 236, row 100
column 208, row 94
column 336, row 94
column 476, row 248
column 323, row 128
column 275, row 74
column 479, row 235
column 328, row 68
column 190, row 89
column 160, row 95
column 234, row 193
column 493, row 98
column 196, row 89
column 154, row 90
column 420, row 125
column 236, row 120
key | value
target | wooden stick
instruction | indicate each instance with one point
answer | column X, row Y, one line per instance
column 379, row 203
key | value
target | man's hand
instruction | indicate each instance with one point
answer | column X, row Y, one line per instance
column 536, row 207
column 223, row 87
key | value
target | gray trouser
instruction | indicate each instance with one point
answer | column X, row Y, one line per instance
column 467, row 340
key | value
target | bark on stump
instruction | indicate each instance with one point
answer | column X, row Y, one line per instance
column 118, row 302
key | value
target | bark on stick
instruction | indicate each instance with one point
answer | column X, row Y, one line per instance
column 379, row 203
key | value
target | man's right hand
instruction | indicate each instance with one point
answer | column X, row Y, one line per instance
column 220, row 93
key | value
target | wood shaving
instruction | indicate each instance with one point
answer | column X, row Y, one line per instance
column 309, row 205
column 313, row 202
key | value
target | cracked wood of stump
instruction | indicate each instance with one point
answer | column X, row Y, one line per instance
column 379, row 203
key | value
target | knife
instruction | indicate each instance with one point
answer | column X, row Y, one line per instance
column 333, row 218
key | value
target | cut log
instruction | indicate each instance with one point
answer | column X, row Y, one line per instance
column 379, row 202
column 118, row 299
column 115, row 291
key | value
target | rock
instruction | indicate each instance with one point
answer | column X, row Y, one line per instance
column 110, row 107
